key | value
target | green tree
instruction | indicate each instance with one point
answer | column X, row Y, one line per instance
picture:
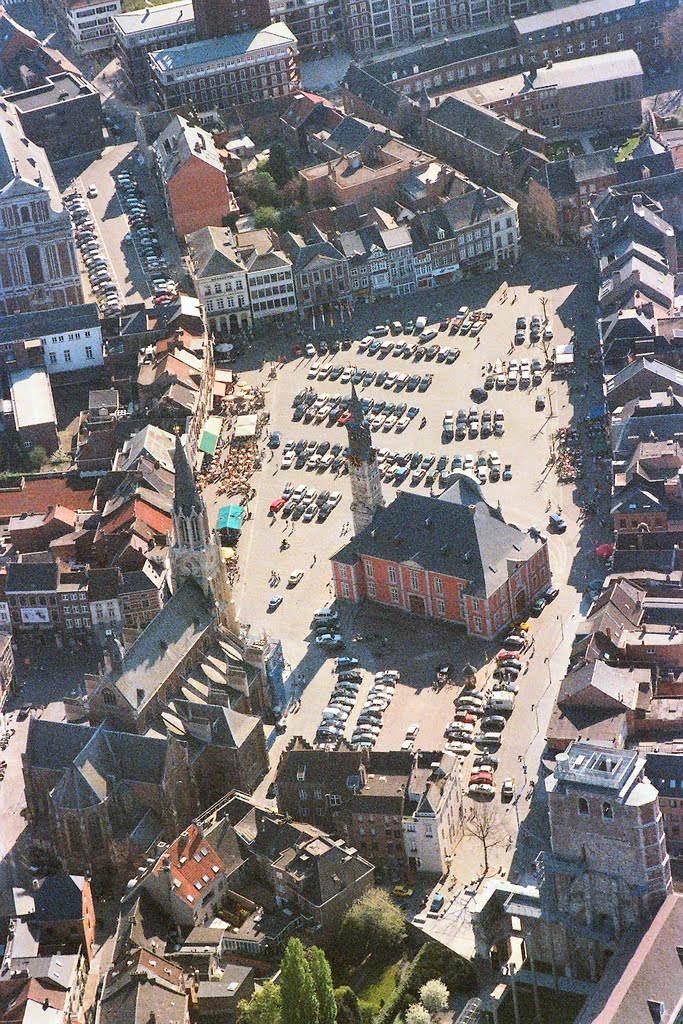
column 373, row 923
column 262, row 190
column 324, row 989
column 417, row 1014
column 348, row 1008
column 434, row 995
column 37, row 458
column 267, row 217
column 264, row 1007
column 279, row 165
column 297, row 991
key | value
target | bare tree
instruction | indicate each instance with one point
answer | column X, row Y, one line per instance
column 485, row 825
column 671, row 32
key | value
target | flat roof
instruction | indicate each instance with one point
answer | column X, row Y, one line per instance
column 210, row 51
column 563, row 15
column 153, row 18
column 32, row 400
column 599, row 67
column 57, row 89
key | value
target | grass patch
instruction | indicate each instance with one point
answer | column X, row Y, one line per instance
column 375, row 981
column 564, row 150
column 623, row 143
column 139, row 5
column 628, row 147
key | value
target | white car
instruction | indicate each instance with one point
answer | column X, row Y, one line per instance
column 313, row 370
column 92, row 192
column 389, row 423
column 324, row 371
column 494, row 460
column 402, row 424
column 459, row 747
column 347, row 374
column 412, row 731
column 310, row 350
column 288, row 461
column 335, row 497
column 468, row 463
column 295, row 577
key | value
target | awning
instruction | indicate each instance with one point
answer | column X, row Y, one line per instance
column 564, row 355
column 230, row 517
column 245, row 427
column 210, row 435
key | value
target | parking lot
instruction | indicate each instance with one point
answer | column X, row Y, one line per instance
column 379, row 638
column 122, row 248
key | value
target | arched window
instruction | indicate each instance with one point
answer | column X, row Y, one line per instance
column 607, row 811
column 195, row 531
column 583, row 806
column 108, row 698
column 35, row 264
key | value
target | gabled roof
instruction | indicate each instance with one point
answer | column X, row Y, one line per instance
column 370, row 90
column 457, row 534
column 479, row 125
column 213, row 253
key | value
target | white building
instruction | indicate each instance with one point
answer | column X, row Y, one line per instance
column 434, row 824
column 71, row 336
column 90, row 24
column 220, row 279
column 269, row 275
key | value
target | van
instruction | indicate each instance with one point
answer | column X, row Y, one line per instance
column 420, row 324
column 501, row 703
column 556, row 523
column 324, row 617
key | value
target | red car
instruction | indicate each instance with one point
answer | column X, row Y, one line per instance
column 344, row 418
column 160, row 299
column 504, row 655
column 297, row 350
column 276, row 505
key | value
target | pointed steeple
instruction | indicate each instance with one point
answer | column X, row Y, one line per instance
column 186, row 498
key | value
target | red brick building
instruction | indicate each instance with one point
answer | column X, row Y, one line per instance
column 452, row 558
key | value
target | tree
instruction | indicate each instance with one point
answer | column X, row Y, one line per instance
column 324, row 989
column 348, row 1008
column 263, row 1007
column 434, row 995
column 279, row 164
column 37, row 458
column 417, row 1014
column 484, row 824
column 373, row 922
column 262, row 190
column 297, row 992
column 671, row 32
column 267, row 217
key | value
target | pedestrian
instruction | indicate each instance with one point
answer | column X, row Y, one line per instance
column 315, row 559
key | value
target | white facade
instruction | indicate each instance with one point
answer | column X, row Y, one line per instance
column 431, row 834
column 225, row 301
column 91, row 25
column 73, row 350
column 106, row 614
column 271, row 291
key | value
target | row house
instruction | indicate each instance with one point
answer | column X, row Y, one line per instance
column 484, row 583
column 557, row 203
column 45, row 598
column 380, row 259
column 231, row 71
column 314, row 22
column 240, row 278
column 321, row 273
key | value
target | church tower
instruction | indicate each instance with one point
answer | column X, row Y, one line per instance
column 366, row 485
column 195, row 549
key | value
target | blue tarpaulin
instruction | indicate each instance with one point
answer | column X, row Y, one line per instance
column 230, row 517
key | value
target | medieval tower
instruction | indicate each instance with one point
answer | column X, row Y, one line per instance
column 366, row 484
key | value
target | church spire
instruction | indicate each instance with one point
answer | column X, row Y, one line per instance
column 360, row 440
column 186, row 497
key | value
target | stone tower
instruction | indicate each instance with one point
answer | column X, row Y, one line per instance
column 366, row 484
column 195, row 549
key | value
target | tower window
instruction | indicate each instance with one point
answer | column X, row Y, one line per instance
column 607, row 812
column 583, row 806
column 108, row 697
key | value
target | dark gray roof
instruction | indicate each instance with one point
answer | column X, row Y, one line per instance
column 186, row 498
column 59, row 898
column 477, row 124
column 457, row 535
column 560, row 178
column 644, row 167
column 31, row 577
column 598, row 164
column 350, row 134
column 447, row 51
column 461, row 212
column 370, row 90
column 55, row 745
column 664, row 769
column 25, row 326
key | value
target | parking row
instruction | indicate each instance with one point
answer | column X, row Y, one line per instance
column 145, row 239
column 343, row 699
column 362, row 377
column 92, row 252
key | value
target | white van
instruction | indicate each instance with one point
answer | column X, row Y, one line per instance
column 501, row 702
column 332, row 713
column 420, row 324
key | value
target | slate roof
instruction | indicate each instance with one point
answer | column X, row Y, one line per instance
column 209, row 51
column 26, row 326
column 456, row 535
column 643, row 168
column 186, row 497
column 31, row 577
column 461, row 212
column 59, row 898
column 163, row 644
column 478, row 124
column 213, row 253
column 371, row 91
column 447, row 51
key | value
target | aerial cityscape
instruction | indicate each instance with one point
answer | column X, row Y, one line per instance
column 341, row 512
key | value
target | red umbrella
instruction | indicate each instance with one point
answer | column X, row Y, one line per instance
column 604, row 550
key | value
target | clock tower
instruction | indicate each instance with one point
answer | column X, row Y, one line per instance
column 366, row 485
column 195, row 549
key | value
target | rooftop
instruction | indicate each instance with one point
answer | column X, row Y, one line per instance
column 213, row 51
column 587, row 765
column 151, row 19
column 32, row 402
column 566, row 15
column 57, row 89
column 44, row 322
